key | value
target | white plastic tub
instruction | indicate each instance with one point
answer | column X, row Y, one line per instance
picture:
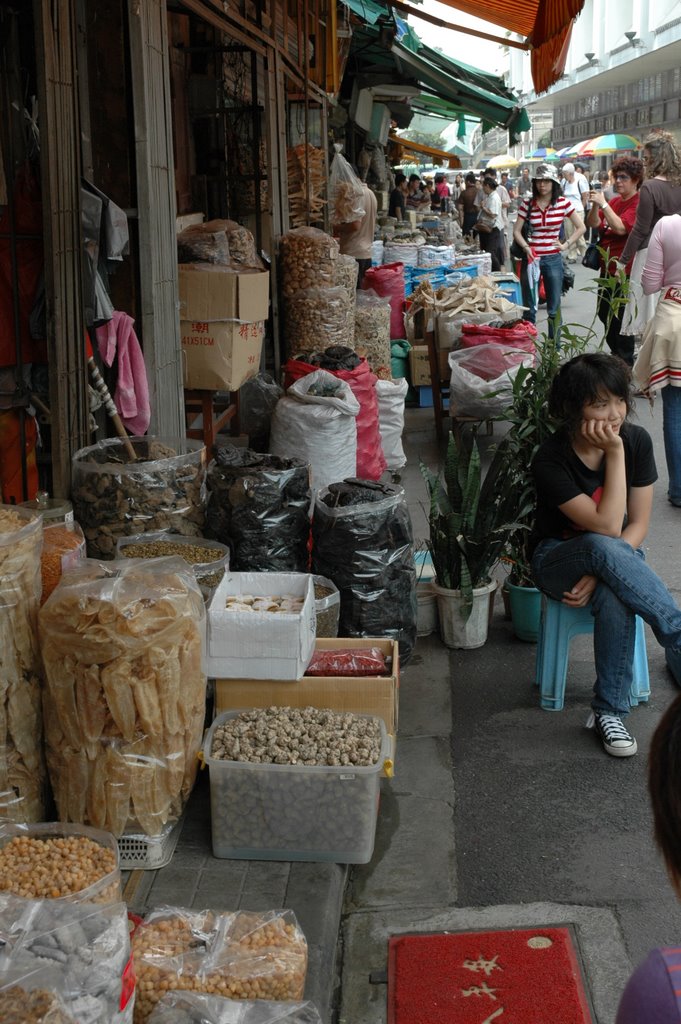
column 293, row 812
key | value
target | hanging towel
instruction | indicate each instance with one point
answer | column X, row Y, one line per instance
column 118, row 339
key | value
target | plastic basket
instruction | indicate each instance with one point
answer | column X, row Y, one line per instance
column 138, row 852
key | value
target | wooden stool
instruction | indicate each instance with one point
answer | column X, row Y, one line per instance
column 216, row 409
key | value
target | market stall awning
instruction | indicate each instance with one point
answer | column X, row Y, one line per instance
column 439, row 76
column 439, row 155
column 546, row 25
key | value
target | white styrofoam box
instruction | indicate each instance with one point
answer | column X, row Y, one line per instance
column 294, row 812
column 260, row 645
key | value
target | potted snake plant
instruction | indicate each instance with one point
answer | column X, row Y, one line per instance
column 469, row 518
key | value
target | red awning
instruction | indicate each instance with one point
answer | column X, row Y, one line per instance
column 546, row 25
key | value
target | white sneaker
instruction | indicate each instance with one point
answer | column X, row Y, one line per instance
column 615, row 738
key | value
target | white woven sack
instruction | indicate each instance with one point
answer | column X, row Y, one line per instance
column 435, row 255
column 407, row 253
column 471, row 395
column 322, row 431
column 391, row 395
column 377, row 252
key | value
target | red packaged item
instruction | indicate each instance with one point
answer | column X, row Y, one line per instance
column 365, row 661
column 522, row 335
column 387, row 281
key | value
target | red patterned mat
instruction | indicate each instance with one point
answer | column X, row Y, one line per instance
column 528, row 976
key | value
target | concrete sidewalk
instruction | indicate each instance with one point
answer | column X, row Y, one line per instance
column 500, row 814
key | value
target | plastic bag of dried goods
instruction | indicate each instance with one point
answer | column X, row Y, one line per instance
column 345, row 190
column 190, row 1008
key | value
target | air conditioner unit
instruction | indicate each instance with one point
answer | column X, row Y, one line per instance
column 380, row 124
column 361, row 106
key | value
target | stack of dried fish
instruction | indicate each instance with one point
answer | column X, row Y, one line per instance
column 22, row 772
column 306, row 183
column 125, row 693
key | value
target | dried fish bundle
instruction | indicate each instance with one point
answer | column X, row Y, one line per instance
column 125, row 693
column 22, row 769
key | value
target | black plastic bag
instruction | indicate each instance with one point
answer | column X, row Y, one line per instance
column 259, row 506
column 362, row 540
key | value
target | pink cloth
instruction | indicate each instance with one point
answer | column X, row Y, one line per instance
column 117, row 339
column 663, row 262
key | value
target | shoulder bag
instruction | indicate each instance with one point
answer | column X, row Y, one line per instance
column 517, row 252
column 592, row 257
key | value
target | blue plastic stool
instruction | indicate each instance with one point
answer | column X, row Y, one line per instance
column 558, row 625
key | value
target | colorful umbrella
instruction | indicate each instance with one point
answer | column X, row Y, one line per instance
column 562, row 153
column 544, row 153
column 581, row 149
column 613, row 143
column 505, row 160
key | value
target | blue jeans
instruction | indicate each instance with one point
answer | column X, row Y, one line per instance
column 626, row 587
column 671, row 429
column 552, row 272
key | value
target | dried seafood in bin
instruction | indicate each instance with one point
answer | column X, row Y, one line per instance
column 19, row 1005
column 308, row 258
column 193, row 1008
column 240, row 955
column 125, row 693
column 163, row 489
column 319, row 318
column 22, row 768
column 372, row 328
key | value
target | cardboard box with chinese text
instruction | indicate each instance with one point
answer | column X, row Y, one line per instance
column 220, row 355
column 208, row 291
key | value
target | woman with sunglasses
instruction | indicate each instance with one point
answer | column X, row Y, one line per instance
column 614, row 220
column 660, row 196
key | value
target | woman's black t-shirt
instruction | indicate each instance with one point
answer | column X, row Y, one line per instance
column 560, row 475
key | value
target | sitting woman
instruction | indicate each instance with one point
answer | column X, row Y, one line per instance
column 615, row 218
column 594, row 480
column 546, row 211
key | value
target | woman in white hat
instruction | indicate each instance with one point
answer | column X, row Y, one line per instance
column 544, row 213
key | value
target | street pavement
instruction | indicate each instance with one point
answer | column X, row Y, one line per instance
column 500, row 814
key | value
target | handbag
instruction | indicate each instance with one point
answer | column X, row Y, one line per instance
column 516, row 250
column 592, row 257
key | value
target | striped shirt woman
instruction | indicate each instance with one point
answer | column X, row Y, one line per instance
column 546, row 211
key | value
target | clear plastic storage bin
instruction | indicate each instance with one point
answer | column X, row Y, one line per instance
column 293, row 812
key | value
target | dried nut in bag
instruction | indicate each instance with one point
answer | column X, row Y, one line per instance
column 19, row 1005
column 240, row 955
column 196, row 1008
column 22, row 768
column 125, row 693
column 308, row 258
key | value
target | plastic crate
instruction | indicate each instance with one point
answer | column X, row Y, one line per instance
column 471, row 269
column 426, row 397
column 510, row 287
column 293, row 812
column 138, row 852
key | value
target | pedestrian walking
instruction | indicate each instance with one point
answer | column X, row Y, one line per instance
column 614, row 221
column 465, row 204
column 594, row 478
column 660, row 196
column 576, row 190
column 546, row 211
column 658, row 367
column 490, row 223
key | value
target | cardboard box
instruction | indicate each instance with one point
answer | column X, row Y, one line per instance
column 368, row 695
column 210, row 292
column 260, row 645
column 220, row 355
column 419, row 365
